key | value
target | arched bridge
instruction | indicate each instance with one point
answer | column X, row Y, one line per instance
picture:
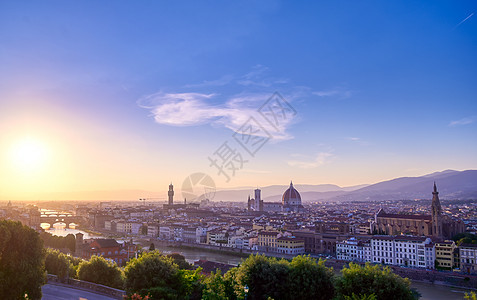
column 67, row 219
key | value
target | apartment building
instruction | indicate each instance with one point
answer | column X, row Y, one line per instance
column 354, row 250
column 290, row 245
column 399, row 250
column 445, row 255
column 468, row 258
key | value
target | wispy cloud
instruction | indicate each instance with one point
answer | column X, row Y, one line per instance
column 224, row 80
column 208, row 102
column 465, row 19
column 190, row 109
column 340, row 93
column 257, row 77
column 463, row 121
column 357, row 140
column 318, row 160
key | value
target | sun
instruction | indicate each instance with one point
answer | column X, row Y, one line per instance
column 29, row 155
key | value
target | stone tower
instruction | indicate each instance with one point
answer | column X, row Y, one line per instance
column 258, row 198
column 170, row 193
column 79, row 245
column 436, row 210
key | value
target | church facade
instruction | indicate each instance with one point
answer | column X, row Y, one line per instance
column 436, row 224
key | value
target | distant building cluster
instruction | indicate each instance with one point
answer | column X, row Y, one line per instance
column 107, row 248
column 407, row 233
column 436, row 224
column 291, row 202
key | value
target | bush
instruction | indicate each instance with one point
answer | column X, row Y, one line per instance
column 158, row 276
column 101, row 271
column 370, row 280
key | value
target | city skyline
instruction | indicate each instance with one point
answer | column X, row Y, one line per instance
column 98, row 97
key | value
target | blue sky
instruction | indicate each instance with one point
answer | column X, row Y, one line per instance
column 138, row 94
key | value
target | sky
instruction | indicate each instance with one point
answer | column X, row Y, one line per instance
column 127, row 95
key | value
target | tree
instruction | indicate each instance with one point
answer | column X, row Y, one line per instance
column 218, row 287
column 59, row 242
column 470, row 296
column 309, row 279
column 369, row 280
column 465, row 238
column 101, row 271
column 180, row 261
column 158, row 276
column 21, row 261
column 57, row 263
column 264, row 277
column 74, row 265
column 361, row 297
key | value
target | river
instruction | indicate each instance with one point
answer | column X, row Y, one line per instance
column 61, row 230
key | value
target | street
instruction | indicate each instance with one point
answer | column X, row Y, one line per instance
column 59, row 292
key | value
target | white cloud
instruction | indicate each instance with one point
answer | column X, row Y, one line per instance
column 340, row 93
column 190, row 109
column 224, row 80
column 319, row 160
column 198, row 107
column 463, row 121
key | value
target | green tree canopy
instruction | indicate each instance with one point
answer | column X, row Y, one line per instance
column 57, row 263
column 265, row 277
column 59, row 242
column 180, row 261
column 261, row 277
column 21, row 261
column 309, row 279
column 218, row 287
column 377, row 280
column 465, row 238
column 158, row 276
column 101, row 271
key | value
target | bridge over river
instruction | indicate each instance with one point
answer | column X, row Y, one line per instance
column 53, row 217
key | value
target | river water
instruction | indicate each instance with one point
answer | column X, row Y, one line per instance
column 61, row 230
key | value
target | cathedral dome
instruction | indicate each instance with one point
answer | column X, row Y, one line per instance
column 291, row 196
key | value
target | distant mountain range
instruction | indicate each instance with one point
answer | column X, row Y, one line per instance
column 451, row 185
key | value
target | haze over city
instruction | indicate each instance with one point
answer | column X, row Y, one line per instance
column 99, row 97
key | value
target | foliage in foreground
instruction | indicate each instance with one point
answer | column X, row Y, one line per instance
column 470, row 296
column 159, row 277
column 21, row 261
column 61, row 265
column 101, row 271
column 377, row 280
column 59, row 242
column 260, row 277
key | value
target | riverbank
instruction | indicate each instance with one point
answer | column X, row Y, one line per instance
column 430, row 277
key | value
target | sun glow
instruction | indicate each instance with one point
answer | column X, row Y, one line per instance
column 29, row 155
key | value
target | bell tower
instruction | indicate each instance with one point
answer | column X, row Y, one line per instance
column 170, row 193
column 436, row 213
